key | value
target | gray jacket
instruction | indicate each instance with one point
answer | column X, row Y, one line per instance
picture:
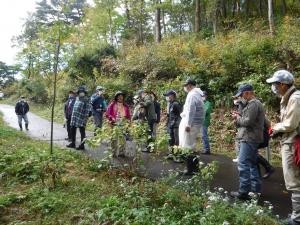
column 251, row 123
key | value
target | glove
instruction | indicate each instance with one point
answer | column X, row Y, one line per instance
column 270, row 131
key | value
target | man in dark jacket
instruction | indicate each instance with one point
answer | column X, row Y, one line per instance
column 99, row 106
column 173, row 113
column 21, row 110
column 250, row 133
column 68, row 112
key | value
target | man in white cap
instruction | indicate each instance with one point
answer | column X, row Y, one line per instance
column 288, row 130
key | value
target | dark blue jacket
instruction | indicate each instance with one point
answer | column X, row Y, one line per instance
column 21, row 108
column 157, row 110
column 98, row 102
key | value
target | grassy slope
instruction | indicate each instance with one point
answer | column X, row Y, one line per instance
column 83, row 195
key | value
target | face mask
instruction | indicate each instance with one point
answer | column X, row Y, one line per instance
column 236, row 102
column 204, row 99
column 81, row 94
column 244, row 101
column 185, row 89
column 100, row 92
column 275, row 89
column 22, row 100
column 167, row 98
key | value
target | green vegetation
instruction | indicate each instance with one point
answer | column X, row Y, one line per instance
column 81, row 193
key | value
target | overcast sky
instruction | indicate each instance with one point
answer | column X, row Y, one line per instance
column 12, row 17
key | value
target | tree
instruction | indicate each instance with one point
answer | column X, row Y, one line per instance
column 271, row 17
column 157, row 21
column 197, row 16
column 7, row 74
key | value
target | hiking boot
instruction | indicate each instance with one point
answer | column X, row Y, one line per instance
column 71, row 145
column 239, row 195
column 80, row 147
column 21, row 128
column 26, row 126
column 268, row 173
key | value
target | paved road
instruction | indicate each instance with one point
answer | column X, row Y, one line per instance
column 227, row 176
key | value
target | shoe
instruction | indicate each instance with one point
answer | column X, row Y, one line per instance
column 239, row 195
column 268, row 173
column 205, row 153
column 235, row 160
column 71, row 145
column 80, row 147
column 290, row 221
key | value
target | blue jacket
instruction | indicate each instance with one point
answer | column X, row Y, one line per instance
column 98, row 103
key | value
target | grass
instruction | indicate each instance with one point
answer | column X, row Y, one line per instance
column 68, row 188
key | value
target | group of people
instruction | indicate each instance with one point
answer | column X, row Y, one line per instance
column 185, row 124
column 253, row 130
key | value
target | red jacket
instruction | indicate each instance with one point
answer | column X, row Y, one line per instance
column 111, row 112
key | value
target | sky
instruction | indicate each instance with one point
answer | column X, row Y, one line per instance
column 12, row 17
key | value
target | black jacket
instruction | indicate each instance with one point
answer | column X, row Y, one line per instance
column 174, row 114
column 21, row 108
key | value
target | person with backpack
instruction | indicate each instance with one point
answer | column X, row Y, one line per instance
column 21, row 109
column 99, row 106
column 250, row 123
column 68, row 109
column 269, row 169
column 80, row 114
column 288, row 130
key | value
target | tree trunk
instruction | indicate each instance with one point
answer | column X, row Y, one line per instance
column 164, row 22
column 197, row 16
column 224, row 8
column 283, row 6
column 55, row 71
column 128, row 25
column 215, row 22
column 271, row 17
column 111, row 37
column 157, row 22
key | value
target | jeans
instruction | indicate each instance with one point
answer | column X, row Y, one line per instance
column 250, row 179
column 98, row 119
column 174, row 137
column 24, row 117
column 205, row 139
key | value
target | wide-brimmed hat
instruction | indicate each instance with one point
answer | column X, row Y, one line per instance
column 281, row 76
column 118, row 93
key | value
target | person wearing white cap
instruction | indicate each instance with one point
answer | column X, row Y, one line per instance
column 288, row 129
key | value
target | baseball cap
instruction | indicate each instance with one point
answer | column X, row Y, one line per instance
column 170, row 92
column 190, row 81
column 243, row 88
column 281, row 76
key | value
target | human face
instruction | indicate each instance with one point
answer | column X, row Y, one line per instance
column 81, row 94
column 120, row 98
column 279, row 88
